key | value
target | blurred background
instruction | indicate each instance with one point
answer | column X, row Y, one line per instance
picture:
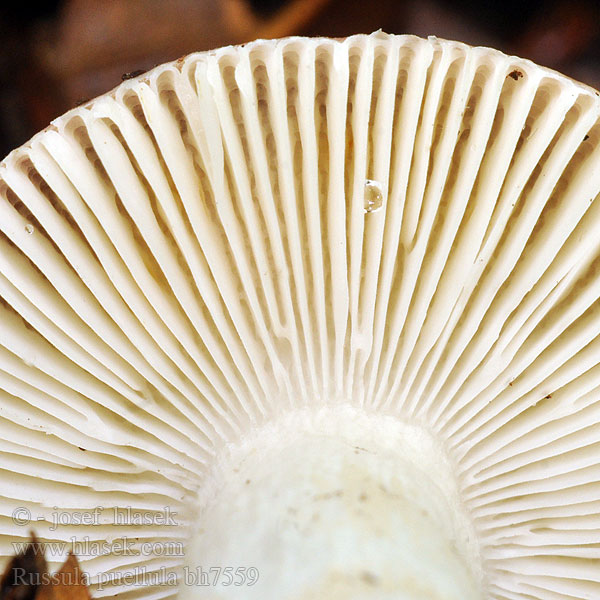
column 62, row 53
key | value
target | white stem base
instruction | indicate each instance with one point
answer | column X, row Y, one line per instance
column 333, row 504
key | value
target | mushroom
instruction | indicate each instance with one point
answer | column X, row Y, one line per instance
column 309, row 318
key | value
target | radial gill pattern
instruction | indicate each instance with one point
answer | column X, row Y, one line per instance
column 408, row 226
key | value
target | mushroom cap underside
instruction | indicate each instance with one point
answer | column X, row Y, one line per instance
column 293, row 233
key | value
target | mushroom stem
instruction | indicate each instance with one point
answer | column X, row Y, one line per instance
column 336, row 503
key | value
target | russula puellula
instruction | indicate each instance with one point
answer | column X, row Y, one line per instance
column 333, row 304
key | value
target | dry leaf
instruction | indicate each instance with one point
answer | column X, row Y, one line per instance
column 27, row 578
